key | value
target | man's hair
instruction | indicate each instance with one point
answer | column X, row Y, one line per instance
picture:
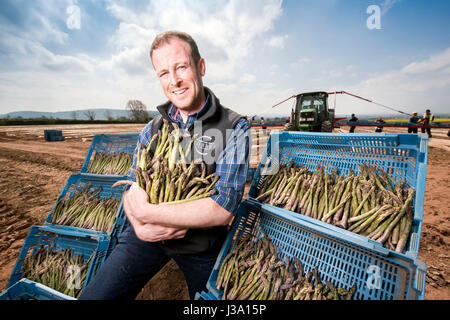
column 428, row 110
column 165, row 37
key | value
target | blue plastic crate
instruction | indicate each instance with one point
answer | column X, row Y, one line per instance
column 53, row 135
column 26, row 289
column 402, row 156
column 378, row 275
column 78, row 181
column 250, row 174
column 110, row 143
column 81, row 243
column 204, row 295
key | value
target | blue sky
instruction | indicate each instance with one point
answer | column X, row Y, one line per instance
column 257, row 52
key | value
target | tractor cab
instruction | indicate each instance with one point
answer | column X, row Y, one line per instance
column 311, row 113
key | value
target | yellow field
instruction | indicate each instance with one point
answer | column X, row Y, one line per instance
column 436, row 120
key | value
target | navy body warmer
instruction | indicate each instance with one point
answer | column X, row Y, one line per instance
column 211, row 130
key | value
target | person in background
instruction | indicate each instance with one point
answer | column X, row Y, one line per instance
column 352, row 119
column 426, row 120
column 414, row 119
column 379, row 128
column 263, row 125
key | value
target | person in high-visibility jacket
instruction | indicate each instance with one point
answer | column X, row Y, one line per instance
column 426, row 120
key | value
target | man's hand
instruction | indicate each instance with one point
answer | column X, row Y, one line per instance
column 135, row 203
column 153, row 232
column 136, row 207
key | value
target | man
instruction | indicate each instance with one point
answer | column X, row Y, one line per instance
column 191, row 233
column 414, row 119
column 352, row 119
column 263, row 126
column 379, row 128
column 426, row 120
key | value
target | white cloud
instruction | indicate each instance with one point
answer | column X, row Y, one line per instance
column 416, row 86
column 433, row 63
column 132, row 45
column 255, row 101
column 225, row 34
column 31, row 55
column 277, row 41
column 225, row 31
column 387, row 5
column 247, row 78
column 300, row 62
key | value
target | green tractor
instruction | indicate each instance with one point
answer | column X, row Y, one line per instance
column 311, row 113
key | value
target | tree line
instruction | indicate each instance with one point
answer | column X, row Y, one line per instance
column 137, row 113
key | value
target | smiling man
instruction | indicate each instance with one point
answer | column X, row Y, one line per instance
column 180, row 69
column 191, row 233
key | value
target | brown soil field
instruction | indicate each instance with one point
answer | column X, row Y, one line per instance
column 33, row 173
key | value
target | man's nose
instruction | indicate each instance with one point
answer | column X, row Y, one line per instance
column 175, row 80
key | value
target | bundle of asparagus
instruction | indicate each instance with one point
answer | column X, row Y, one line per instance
column 252, row 271
column 166, row 177
column 86, row 209
column 371, row 203
column 51, row 268
column 112, row 163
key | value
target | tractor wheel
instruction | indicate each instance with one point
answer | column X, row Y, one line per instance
column 326, row 126
column 289, row 127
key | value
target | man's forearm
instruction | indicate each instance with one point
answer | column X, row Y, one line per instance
column 201, row 213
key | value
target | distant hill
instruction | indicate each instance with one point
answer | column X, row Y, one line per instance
column 100, row 114
column 103, row 114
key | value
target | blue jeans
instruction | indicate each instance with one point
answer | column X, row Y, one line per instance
column 133, row 262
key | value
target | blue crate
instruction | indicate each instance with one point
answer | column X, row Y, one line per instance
column 204, row 295
column 53, row 135
column 250, row 174
column 81, row 243
column 78, row 181
column 403, row 156
column 59, row 138
column 26, row 289
column 110, row 143
column 378, row 275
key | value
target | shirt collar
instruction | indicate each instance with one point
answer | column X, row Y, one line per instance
column 174, row 112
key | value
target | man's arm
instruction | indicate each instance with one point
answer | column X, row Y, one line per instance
column 143, row 139
column 215, row 211
column 201, row 213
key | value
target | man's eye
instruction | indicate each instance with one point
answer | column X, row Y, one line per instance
column 162, row 75
column 181, row 67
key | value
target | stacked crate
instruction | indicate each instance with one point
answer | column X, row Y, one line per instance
column 342, row 257
column 91, row 244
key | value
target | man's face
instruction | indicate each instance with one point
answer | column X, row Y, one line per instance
column 179, row 75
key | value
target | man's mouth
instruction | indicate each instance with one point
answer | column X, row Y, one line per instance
column 179, row 92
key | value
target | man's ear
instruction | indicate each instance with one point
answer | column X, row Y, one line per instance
column 201, row 66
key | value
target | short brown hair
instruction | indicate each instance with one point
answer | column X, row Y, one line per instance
column 164, row 38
